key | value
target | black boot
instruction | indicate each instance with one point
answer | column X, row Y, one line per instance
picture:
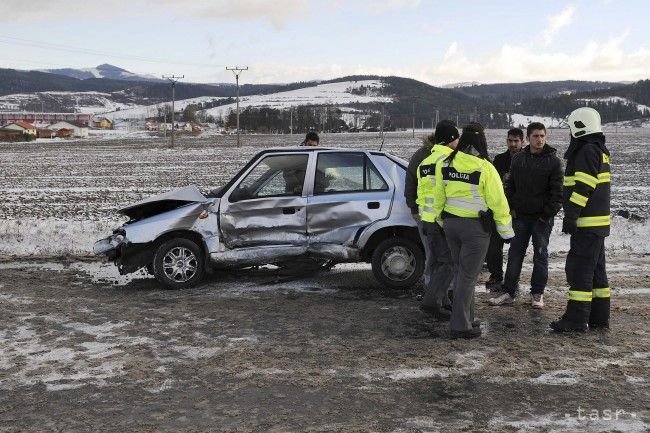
column 574, row 319
column 472, row 333
column 564, row 325
column 599, row 315
column 440, row 314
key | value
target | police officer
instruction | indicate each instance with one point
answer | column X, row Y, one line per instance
column 587, row 220
column 439, row 267
column 467, row 185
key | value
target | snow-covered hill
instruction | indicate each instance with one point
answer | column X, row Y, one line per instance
column 81, row 102
column 339, row 94
column 101, row 71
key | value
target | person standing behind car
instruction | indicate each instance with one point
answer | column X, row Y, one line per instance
column 438, row 262
column 414, row 190
column 494, row 258
column 311, row 139
column 467, row 186
column 534, row 192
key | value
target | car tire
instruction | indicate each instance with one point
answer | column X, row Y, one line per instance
column 179, row 263
column 398, row 263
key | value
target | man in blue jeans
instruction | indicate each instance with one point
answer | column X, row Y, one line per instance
column 534, row 192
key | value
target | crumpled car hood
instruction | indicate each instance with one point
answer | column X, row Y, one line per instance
column 163, row 202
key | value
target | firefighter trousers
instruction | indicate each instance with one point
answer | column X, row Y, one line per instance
column 589, row 292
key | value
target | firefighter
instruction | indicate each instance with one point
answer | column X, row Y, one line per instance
column 439, row 266
column 469, row 198
column 587, row 220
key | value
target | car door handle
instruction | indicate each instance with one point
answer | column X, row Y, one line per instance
column 373, row 205
column 288, row 210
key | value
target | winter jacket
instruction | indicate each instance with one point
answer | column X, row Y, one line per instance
column 534, row 187
column 587, row 184
column 502, row 163
column 411, row 182
column 468, row 185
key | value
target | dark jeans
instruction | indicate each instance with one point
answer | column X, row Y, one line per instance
column 494, row 257
column 540, row 231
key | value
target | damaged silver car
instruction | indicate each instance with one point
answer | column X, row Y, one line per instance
column 286, row 205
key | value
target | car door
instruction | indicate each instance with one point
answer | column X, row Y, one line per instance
column 266, row 207
column 349, row 193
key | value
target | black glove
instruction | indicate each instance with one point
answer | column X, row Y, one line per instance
column 569, row 226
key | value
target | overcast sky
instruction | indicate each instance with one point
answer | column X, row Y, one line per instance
column 438, row 42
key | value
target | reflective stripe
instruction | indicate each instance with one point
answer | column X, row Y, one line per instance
column 578, row 199
column 604, row 177
column 603, row 292
column 569, row 180
column 467, row 203
column 585, row 178
column 428, row 200
column 575, row 295
column 594, row 221
column 428, row 209
column 506, row 232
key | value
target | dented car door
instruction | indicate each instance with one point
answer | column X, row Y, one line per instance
column 349, row 193
column 267, row 207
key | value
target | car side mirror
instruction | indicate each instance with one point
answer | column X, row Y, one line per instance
column 240, row 193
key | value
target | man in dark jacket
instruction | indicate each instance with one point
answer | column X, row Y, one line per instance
column 587, row 181
column 494, row 257
column 534, row 192
column 411, row 184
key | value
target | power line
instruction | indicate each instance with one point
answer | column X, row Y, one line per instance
column 78, row 50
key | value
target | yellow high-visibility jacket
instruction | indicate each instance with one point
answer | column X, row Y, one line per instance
column 427, row 181
column 468, row 185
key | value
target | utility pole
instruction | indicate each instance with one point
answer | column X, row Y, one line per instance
column 173, row 79
column 237, row 70
column 437, row 117
column 291, row 122
column 381, row 125
column 413, row 117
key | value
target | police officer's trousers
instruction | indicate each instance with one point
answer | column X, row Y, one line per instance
column 441, row 270
column 468, row 242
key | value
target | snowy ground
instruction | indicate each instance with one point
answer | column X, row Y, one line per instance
column 81, row 350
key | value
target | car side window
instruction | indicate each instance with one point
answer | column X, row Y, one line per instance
column 273, row 176
column 346, row 172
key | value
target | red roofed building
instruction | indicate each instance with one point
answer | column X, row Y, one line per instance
column 24, row 127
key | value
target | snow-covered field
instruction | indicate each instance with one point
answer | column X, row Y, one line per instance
column 60, row 197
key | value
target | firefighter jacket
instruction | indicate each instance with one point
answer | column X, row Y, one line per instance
column 427, row 181
column 468, row 185
column 587, row 184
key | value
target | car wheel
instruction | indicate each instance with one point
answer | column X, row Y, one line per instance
column 179, row 263
column 397, row 263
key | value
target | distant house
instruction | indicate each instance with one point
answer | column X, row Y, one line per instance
column 64, row 133
column 23, row 127
column 102, row 123
column 11, row 135
column 78, row 130
column 45, row 133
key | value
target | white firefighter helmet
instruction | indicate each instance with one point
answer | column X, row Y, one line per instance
column 584, row 121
